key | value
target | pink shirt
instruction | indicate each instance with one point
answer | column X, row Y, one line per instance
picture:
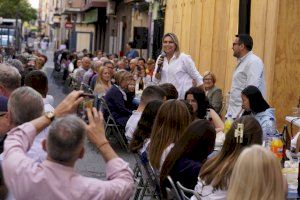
column 27, row 179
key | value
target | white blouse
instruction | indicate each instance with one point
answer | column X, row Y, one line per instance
column 180, row 72
column 207, row 192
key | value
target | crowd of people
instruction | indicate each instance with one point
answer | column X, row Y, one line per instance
column 170, row 115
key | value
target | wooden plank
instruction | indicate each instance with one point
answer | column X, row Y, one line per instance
column 169, row 17
column 185, row 26
column 270, row 45
column 195, row 30
column 219, row 47
column 177, row 18
column 232, row 31
column 287, row 71
column 207, row 35
column 258, row 26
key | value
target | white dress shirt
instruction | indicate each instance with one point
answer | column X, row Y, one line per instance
column 132, row 124
column 180, row 72
column 249, row 71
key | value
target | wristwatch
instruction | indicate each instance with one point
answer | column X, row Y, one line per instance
column 50, row 115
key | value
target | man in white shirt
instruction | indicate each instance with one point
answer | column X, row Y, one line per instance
column 149, row 94
column 249, row 71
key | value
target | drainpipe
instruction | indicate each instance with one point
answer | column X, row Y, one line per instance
column 149, row 52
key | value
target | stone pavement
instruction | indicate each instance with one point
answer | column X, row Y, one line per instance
column 91, row 164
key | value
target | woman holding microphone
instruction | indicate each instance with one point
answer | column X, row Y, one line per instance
column 175, row 67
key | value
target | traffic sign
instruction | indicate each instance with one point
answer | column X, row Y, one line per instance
column 68, row 25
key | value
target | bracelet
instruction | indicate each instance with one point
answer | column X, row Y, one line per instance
column 101, row 145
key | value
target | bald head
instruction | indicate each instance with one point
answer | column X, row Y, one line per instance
column 86, row 63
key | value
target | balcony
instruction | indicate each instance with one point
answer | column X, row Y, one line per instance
column 72, row 6
column 95, row 4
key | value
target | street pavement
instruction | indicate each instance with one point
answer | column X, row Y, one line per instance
column 92, row 164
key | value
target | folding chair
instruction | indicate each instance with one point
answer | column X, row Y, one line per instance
column 148, row 184
column 111, row 127
column 172, row 192
column 183, row 191
column 73, row 84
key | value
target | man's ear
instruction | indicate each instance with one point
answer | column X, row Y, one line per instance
column 8, row 117
column 44, row 145
column 81, row 153
column 2, row 90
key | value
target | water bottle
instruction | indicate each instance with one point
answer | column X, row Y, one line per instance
column 228, row 123
column 270, row 132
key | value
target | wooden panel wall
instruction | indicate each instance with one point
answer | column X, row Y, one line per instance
column 206, row 29
column 286, row 82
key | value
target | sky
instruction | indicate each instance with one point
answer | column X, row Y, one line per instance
column 34, row 3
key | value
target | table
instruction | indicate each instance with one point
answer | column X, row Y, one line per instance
column 293, row 120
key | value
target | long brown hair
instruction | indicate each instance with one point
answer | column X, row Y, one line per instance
column 217, row 170
column 171, row 120
column 196, row 143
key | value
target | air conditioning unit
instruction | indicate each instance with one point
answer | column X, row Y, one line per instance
column 111, row 8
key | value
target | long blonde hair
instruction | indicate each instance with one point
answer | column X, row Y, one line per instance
column 217, row 170
column 100, row 72
column 256, row 176
column 171, row 120
column 100, row 85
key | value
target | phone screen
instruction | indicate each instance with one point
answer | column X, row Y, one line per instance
column 88, row 102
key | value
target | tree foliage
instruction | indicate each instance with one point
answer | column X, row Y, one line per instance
column 12, row 8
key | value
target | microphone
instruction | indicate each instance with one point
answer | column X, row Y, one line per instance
column 160, row 61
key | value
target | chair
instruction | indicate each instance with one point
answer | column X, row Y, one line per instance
column 183, row 191
column 172, row 192
column 110, row 126
column 148, row 184
column 72, row 83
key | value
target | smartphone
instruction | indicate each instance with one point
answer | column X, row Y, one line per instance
column 88, row 102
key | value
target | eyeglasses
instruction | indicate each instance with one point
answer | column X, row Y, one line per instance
column 2, row 114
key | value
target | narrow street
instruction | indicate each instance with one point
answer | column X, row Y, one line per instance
column 92, row 164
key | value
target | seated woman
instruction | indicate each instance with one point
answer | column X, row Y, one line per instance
column 170, row 122
column 143, row 80
column 116, row 98
column 265, row 180
column 214, row 177
column 103, row 82
column 254, row 103
column 141, row 136
column 188, row 154
column 196, row 97
column 213, row 93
